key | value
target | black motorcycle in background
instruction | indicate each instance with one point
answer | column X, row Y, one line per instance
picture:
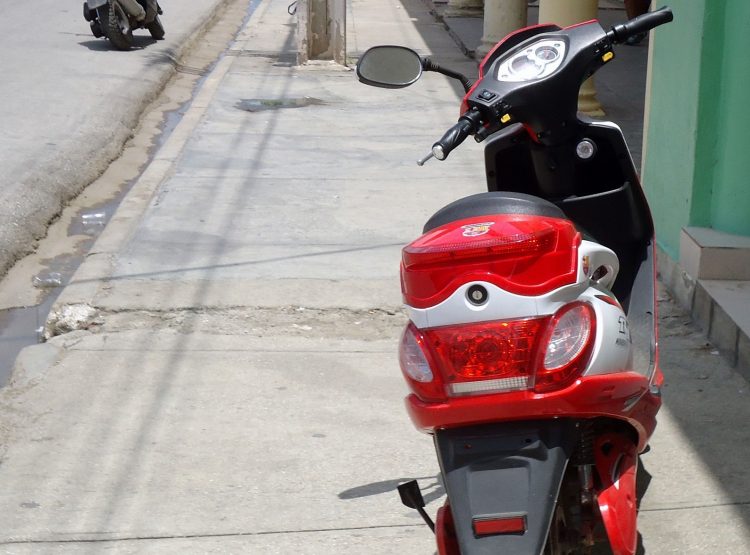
column 116, row 19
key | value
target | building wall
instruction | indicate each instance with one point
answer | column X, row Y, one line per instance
column 730, row 206
column 697, row 159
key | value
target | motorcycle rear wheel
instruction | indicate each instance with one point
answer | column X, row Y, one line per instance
column 156, row 28
column 565, row 536
column 118, row 29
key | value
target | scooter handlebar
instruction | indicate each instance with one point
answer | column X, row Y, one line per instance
column 452, row 138
column 641, row 24
column 466, row 125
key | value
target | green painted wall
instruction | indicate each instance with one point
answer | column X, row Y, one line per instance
column 697, row 164
column 669, row 168
column 730, row 206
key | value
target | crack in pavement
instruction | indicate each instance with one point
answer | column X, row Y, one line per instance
column 343, row 323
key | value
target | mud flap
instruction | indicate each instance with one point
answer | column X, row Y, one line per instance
column 502, row 482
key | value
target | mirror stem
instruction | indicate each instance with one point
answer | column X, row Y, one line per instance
column 429, row 65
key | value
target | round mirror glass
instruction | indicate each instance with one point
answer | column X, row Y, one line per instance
column 389, row 66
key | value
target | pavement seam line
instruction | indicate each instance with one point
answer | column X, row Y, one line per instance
column 692, row 507
column 208, row 536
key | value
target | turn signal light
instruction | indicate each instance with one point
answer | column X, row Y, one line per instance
column 416, row 364
column 569, row 341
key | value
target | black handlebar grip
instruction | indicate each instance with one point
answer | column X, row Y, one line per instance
column 452, row 138
column 642, row 24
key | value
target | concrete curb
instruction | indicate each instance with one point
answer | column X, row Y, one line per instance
column 699, row 300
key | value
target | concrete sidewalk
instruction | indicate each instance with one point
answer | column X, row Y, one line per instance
column 236, row 387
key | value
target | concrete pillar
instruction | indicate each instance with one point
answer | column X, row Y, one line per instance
column 568, row 13
column 500, row 18
column 321, row 30
column 464, row 8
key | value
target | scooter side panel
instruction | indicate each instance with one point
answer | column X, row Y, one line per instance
column 504, row 471
column 93, row 4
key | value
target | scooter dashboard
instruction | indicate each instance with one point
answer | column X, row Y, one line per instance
column 535, row 81
column 535, row 61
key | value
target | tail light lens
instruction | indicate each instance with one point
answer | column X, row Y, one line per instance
column 543, row 354
column 486, row 357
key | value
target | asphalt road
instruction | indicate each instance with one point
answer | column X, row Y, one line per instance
column 69, row 102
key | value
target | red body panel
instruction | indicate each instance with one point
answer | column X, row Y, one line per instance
column 607, row 395
column 445, row 533
column 522, row 254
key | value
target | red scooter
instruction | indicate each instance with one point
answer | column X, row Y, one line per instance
column 531, row 350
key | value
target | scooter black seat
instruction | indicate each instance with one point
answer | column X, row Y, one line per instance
column 493, row 202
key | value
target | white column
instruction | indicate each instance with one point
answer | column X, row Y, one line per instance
column 501, row 17
column 568, row 13
column 464, row 8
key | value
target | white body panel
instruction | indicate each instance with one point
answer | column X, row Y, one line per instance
column 613, row 350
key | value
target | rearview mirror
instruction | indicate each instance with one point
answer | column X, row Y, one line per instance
column 391, row 67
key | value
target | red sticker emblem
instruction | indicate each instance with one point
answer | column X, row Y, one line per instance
column 474, row 230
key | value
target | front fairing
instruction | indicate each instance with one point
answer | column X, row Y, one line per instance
column 547, row 103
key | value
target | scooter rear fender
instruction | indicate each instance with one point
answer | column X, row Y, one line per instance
column 625, row 396
column 502, row 482
column 93, row 4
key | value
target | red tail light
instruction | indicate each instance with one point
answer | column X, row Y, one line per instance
column 543, row 354
column 486, row 357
